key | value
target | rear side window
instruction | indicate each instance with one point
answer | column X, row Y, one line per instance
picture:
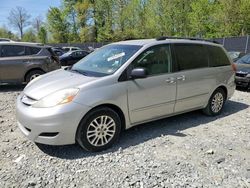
column 190, row 56
column 12, row 50
column 217, row 57
column 32, row 50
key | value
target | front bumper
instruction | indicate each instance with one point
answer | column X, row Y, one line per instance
column 242, row 81
column 52, row 126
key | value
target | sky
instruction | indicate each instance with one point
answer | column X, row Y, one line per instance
column 34, row 8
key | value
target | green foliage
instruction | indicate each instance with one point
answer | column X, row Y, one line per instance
column 29, row 36
column 5, row 33
column 58, row 25
column 114, row 20
column 42, row 35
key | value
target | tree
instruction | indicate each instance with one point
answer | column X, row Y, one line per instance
column 37, row 23
column 29, row 36
column 5, row 33
column 203, row 19
column 19, row 19
column 71, row 15
column 58, row 25
column 42, row 35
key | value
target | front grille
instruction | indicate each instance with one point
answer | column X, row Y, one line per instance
column 28, row 100
column 27, row 129
column 49, row 134
column 241, row 75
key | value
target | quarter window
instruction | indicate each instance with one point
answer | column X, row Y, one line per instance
column 156, row 60
column 217, row 57
column 191, row 56
column 32, row 50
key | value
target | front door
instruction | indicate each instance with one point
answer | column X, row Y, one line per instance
column 154, row 96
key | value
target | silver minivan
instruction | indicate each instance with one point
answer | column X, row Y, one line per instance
column 122, row 85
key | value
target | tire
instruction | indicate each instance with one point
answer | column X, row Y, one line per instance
column 93, row 135
column 33, row 74
column 215, row 103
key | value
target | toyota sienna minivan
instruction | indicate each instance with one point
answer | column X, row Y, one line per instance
column 124, row 84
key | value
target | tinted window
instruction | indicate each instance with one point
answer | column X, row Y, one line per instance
column 217, row 57
column 156, row 60
column 191, row 56
column 32, row 50
column 12, row 50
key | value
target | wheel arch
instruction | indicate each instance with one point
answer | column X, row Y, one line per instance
column 30, row 70
column 224, row 89
column 116, row 109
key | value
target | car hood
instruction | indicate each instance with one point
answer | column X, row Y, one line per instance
column 240, row 67
column 55, row 81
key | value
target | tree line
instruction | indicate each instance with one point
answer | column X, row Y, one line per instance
column 114, row 20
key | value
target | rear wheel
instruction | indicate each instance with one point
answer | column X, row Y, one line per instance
column 33, row 74
column 99, row 129
column 215, row 103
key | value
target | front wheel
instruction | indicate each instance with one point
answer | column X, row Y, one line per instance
column 33, row 74
column 99, row 129
column 215, row 103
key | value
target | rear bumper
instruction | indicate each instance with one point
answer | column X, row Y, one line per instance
column 52, row 126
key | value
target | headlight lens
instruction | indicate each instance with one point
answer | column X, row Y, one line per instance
column 59, row 97
column 248, row 75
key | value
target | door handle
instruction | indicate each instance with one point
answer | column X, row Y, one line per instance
column 170, row 80
column 181, row 78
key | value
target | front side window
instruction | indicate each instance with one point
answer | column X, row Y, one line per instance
column 156, row 60
column 191, row 56
column 106, row 60
column 12, row 51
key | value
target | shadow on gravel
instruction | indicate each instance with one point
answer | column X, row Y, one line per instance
column 11, row 88
column 145, row 132
column 243, row 89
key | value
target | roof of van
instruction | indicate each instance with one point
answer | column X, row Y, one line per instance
column 143, row 42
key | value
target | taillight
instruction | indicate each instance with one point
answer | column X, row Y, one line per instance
column 234, row 67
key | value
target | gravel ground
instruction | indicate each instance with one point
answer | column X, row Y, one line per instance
column 189, row 150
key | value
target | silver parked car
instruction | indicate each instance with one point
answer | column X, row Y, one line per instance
column 121, row 85
column 22, row 62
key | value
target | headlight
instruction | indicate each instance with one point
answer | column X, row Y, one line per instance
column 59, row 97
column 248, row 75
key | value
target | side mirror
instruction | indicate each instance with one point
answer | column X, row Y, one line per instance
column 138, row 73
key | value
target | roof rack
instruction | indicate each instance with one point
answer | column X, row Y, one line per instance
column 187, row 38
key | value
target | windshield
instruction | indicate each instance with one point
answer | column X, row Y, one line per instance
column 245, row 59
column 106, row 60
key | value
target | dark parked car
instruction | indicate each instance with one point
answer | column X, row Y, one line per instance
column 234, row 55
column 72, row 57
column 22, row 62
column 58, row 51
column 242, row 77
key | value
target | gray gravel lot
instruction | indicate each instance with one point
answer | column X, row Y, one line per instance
column 189, row 150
